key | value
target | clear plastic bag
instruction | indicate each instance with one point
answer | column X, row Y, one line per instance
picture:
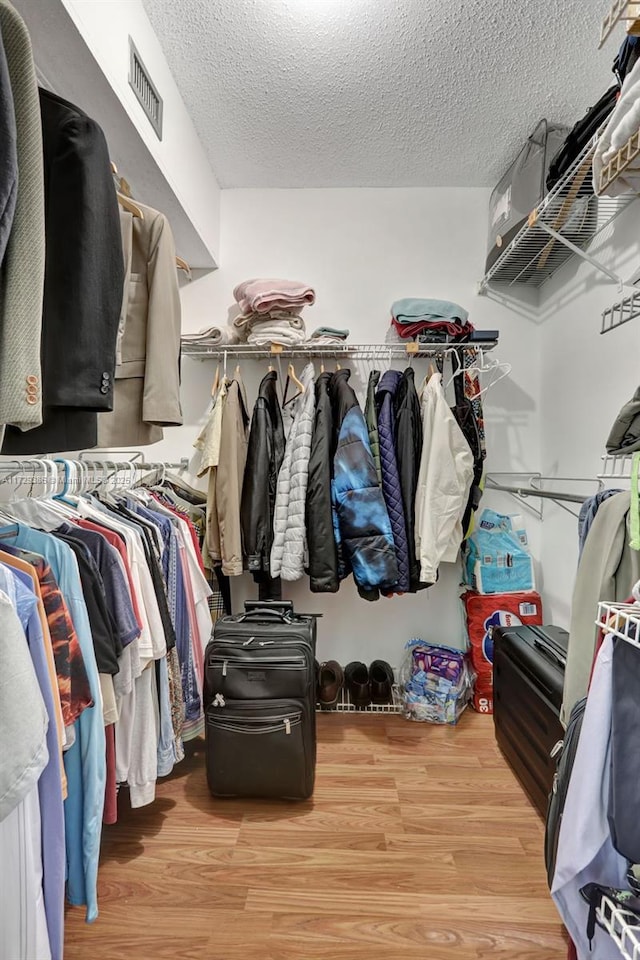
column 436, row 682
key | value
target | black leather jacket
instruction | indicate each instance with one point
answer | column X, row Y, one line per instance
column 264, row 459
column 323, row 553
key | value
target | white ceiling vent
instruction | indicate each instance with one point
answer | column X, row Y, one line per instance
column 144, row 89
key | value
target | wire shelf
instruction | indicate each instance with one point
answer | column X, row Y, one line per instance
column 626, row 937
column 567, row 220
column 621, row 312
column 622, row 620
column 620, row 10
column 616, row 467
column 344, row 704
column 203, row 349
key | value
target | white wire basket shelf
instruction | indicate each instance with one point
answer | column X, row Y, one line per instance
column 621, row 312
column 616, row 468
column 626, row 937
column 622, row 620
column 203, row 349
column 567, row 220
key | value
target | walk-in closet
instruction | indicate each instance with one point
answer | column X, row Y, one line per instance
column 319, row 480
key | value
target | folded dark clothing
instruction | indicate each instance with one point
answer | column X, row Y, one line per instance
column 409, row 331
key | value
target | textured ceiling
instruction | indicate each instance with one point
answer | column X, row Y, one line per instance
column 314, row 93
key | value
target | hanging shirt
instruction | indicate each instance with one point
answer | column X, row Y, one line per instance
column 73, row 683
column 85, row 760
column 50, row 782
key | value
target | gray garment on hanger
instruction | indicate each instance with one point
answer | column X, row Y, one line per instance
column 588, row 512
column 625, row 432
column 8, row 154
column 608, row 570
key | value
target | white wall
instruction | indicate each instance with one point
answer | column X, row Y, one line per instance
column 105, row 26
column 362, row 249
column 585, row 379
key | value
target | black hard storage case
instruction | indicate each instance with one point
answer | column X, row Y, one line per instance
column 260, row 699
column 528, row 678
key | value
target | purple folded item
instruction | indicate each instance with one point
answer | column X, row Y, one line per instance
column 262, row 296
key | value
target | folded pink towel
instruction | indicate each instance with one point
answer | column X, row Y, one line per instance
column 261, row 296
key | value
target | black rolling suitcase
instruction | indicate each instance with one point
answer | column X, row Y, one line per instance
column 528, row 677
column 260, row 696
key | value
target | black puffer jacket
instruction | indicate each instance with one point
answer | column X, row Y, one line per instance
column 264, row 459
column 409, row 453
column 323, row 553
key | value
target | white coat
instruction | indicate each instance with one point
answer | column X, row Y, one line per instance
column 289, row 532
column 444, row 483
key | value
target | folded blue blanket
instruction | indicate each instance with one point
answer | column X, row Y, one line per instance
column 413, row 308
column 330, row 332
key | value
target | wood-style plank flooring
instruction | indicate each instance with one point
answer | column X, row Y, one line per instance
column 419, row 843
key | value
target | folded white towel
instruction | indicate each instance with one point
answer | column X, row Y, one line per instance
column 276, row 332
column 263, row 295
column 224, row 335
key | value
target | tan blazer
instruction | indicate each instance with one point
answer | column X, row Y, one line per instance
column 147, row 378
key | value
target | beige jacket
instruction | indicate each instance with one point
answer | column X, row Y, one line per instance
column 147, row 379
column 224, row 537
column 22, row 275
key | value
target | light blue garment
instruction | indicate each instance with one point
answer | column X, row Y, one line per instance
column 412, row 309
column 85, row 761
column 18, row 585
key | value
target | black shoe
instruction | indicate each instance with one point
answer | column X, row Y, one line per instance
column 381, row 682
column 330, row 684
column 356, row 680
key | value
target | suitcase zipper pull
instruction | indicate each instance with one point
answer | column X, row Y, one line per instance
column 247, row 642
column 224, row 668
column 287, row 726
column 219, row 700
column 555, row 750
column 265, row 643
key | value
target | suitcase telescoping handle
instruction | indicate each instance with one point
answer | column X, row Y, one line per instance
column 268, row 605
column 264, row 613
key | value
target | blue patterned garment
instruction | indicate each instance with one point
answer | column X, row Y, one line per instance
column 362, row 519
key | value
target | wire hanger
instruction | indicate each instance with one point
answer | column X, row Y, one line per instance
column 123, row 194
column 184, row 266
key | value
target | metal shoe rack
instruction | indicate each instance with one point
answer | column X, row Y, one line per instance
column 622, row 621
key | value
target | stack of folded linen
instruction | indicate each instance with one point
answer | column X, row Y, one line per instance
column 412, row 317
column 271, row 311
column 225, row 335
column 328, row 336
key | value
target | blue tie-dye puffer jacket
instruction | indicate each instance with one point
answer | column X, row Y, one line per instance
column 361, row 521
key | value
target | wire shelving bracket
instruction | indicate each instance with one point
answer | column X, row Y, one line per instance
column 621, row 312
column 628, row 10
column 562, row 226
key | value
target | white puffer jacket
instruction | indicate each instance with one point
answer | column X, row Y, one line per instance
column 289, row 533
column 623, row 122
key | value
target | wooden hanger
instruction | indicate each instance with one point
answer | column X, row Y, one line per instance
column 216, row 381
column 292, row 376
column 184, row 266
column 123, row 193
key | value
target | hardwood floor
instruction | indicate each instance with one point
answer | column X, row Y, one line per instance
column 419, row 843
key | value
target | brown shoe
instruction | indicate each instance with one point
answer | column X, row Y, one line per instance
column 330, row 684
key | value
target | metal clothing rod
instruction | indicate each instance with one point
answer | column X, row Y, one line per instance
column 530, row 492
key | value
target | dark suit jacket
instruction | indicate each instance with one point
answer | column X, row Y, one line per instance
column 84, row 278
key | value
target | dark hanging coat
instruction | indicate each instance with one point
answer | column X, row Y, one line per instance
column 84, row 275
column 409, row 453
column 323, row 553
column 371, row 417
column 361, row 520
column 264, row 459
column 391, row 486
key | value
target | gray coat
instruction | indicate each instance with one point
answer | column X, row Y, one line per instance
column 608, row 570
